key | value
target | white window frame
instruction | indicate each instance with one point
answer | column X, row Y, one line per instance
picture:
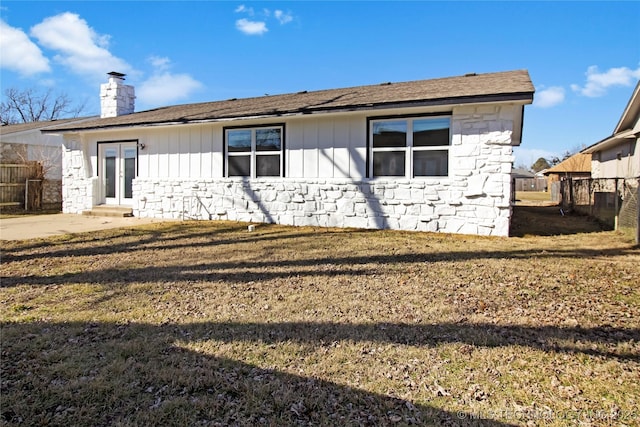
column 254, row 153
column 409, row 148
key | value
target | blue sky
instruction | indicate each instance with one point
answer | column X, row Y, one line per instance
column 583, row 57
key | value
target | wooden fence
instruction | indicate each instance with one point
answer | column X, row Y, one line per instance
column 13, row 182
column 613, row 201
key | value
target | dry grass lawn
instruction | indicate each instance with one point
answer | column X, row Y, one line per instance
column 533, row 196
column 204, row 323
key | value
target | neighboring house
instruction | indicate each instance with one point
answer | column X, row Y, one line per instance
column 576, row 166
column 615, row 171
column 430, row 155
column 24, row 142
column 618, row 156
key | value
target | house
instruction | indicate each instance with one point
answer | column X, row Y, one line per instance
column 575, row 166
column 429, row 155
column 560, row 178
column 618, row 156
column 615, row 171
column 24, row 142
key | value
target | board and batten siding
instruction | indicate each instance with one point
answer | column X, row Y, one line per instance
column 326, row 147
column 187, row 152
column 314, row 148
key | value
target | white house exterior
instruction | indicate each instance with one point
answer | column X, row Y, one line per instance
column 431, row 155
column 618, row 156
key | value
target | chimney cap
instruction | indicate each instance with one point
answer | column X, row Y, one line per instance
column 116, row 74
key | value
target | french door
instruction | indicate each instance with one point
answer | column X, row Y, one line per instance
column 117, row 171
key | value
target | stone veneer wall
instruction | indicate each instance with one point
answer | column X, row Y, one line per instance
column 77, row 185
column 395, row 204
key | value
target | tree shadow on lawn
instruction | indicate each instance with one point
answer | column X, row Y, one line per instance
column 570, row 340
column 527, row 220
column 139, row 374
column 165, row 239
column 263, row 270
column 135, row 238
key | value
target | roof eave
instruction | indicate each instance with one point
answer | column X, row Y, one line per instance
column 611, row 141
column 519, row 97
column 631, row 111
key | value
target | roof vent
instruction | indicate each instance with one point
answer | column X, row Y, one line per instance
column 302, row 91
column 470, row 75
column 385, row 84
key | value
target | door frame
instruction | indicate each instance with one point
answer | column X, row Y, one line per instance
column 120, row 146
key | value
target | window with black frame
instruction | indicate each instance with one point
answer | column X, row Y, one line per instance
column 254, row 152
column 410, row 147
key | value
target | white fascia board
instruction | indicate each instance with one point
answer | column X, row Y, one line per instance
column 612, row 141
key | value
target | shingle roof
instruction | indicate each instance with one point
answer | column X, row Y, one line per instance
column 50, row 124
column 509, row 85
column 577, row 163
column 522, row 173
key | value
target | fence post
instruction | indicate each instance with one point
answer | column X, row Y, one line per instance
column 591, row 202
column 26, row 195
column 571, row 196
column 616, row 207
column 638, row 214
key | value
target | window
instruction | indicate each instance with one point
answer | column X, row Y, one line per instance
column 254, row 152
column 410, row 147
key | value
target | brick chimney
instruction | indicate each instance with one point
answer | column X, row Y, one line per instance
column 116, row 98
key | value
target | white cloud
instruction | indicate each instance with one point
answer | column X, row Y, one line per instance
column 255, row 27
column 163, row 87
column 19, row 53
column 549, row 97
column 243, row 9
column 78, row 46
column 598, row 82
column 251, row 28
column 283, row 17
column 160, row 62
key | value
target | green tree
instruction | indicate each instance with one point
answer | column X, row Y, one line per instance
column 540, row 164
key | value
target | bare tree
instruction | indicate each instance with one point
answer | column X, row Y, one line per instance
column 29, row 105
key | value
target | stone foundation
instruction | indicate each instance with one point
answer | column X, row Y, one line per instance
column 437, row 206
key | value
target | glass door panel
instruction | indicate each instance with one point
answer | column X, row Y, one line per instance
column 118, row 163
column 110, row 172
column 129, row 161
